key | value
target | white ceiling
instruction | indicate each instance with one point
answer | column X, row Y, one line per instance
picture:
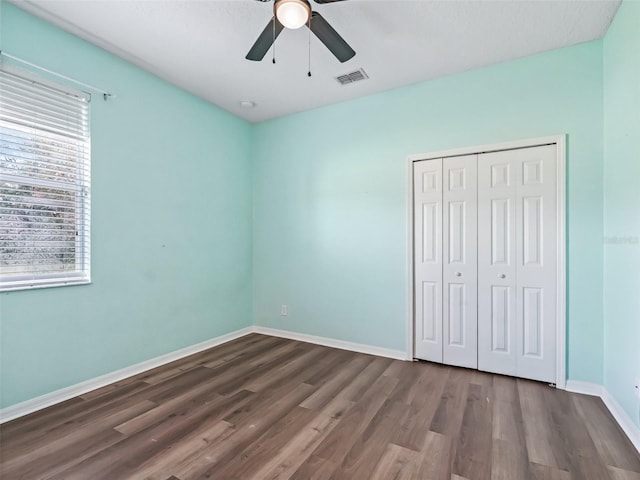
column 200, row 45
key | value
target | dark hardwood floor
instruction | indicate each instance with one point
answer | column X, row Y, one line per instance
column 267, row 408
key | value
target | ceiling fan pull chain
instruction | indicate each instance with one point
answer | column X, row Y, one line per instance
column 274, row 40
column 309, row 28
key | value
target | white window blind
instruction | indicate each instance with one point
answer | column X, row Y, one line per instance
column 44, row 183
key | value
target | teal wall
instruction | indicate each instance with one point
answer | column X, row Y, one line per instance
column 171, row 208
column 622, row 207
column 330, row 195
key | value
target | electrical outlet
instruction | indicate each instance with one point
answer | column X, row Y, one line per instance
column 284, row 310
column 637, row 387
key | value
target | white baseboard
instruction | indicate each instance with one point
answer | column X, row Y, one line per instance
column 49, row 399
column 625, row 422
column 623, row 419
column 585, row 388
column 331, row 342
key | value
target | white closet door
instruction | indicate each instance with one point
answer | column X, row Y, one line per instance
column 496, row 263
column 459, row 262
column 536, row 263
column 427, row 178
column 517, row 262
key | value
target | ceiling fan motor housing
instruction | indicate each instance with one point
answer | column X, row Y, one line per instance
column 292, row 13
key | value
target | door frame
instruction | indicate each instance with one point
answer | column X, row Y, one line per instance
column 561, row 245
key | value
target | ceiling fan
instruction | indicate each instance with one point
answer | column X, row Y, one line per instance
column 294, row 14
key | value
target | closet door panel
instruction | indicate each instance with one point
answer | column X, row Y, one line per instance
column 536, row 263
column 459, row 268
column 496, row 263
column 427, row 177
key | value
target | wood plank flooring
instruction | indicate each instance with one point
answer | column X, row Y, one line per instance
column 267, row 408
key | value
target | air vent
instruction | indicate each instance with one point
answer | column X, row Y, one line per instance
column 352, row 77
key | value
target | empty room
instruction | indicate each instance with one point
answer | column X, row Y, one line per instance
column 319, row 239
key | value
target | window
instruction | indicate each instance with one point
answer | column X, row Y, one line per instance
column 44, row 183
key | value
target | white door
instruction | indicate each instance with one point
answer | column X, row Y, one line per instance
column 459, row 262
column 517, row 262
column 427, row 208
column 496, row 263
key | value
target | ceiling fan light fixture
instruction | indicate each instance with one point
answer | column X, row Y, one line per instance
column 292, row 13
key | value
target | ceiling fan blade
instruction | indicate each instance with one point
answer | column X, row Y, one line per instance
column 265, row 40
column 331, row 39
column 328, row 1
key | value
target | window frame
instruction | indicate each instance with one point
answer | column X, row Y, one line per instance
column 81, row 275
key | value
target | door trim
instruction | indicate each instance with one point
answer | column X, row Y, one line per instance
column 561, row 245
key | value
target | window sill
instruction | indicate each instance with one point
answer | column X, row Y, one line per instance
column 33, row 285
